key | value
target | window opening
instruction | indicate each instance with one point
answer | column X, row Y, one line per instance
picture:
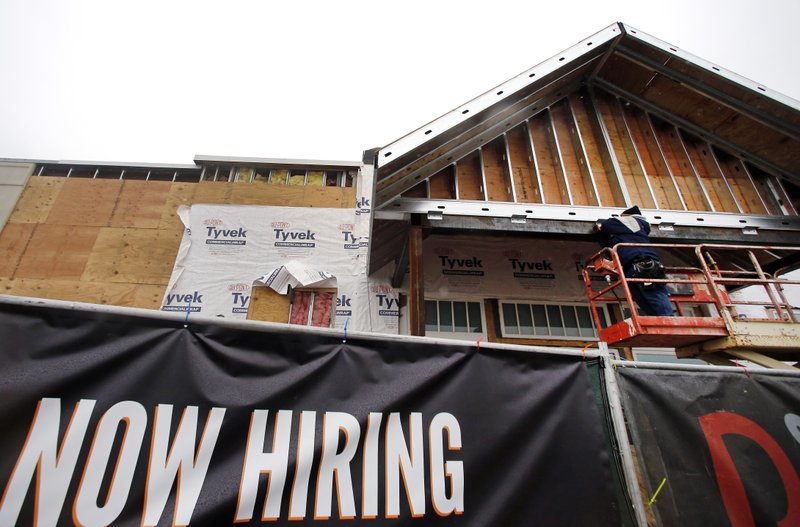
column 453, row 316
column 562, row 321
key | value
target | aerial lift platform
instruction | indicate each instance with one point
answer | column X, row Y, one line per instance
column 727, row 304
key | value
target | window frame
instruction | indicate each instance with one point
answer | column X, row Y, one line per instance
column 457, row 335
column 547, row 309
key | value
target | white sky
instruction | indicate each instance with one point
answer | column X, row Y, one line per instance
column 162, row 81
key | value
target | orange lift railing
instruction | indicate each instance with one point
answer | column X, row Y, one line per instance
column 713, row 313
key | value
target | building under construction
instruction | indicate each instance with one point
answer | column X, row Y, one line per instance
column 476, row 231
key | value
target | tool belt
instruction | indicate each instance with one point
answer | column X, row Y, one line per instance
column 647, row 267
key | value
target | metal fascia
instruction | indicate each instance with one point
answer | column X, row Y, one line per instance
column 277, row 163
column 589, row 213
column 492, row 97
column 701, row 88
column 454, row 153
column 712, row 68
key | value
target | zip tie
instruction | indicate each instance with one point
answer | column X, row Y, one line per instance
column 345, row 330
column 188, row 310
column 649, row 503
column 742, row 367
column 583, row 351
column 478, row 343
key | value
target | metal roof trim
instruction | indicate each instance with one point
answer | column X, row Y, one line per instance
column 712, row 68
column 494, row 96
column 275, row 162
column 115, row 164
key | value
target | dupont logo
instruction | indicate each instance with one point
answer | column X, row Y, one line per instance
column 286, row 237
column 219, row 236
column 344, row 306
column 462, row 266
column 192, row 302
column 528, row 269
column 238, row 287
column 388, row 306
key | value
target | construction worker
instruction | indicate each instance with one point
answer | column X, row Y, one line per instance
column 637, row 262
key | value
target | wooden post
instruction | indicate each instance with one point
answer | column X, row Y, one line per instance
column 416, row 288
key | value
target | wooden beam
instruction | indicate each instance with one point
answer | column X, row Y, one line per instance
column 416, row 287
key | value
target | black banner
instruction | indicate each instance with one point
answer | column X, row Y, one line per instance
column 127, row 420
column 722, row 447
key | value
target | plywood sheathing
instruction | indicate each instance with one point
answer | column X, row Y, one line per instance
column 442, row 184
column 57, row 252
column 495, row 171
column 420, row 190
column 140, row 204
column 742, row 186
column 133, row 256
column 37, row 200
column 597, row 157
column 470, row 180
column 87, row 202
column 710, row 175
column 682, row 170
column 523, row 170
column 13, row 243
column 128, row 295
column 548, row 160
column 268, row 305
column 575, row 170
column 652, row 160
column 625, row 151
column 115, row 241
column 179, row 194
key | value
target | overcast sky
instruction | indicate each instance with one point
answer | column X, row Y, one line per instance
column 162, row 81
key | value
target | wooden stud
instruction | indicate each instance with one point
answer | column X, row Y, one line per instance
column 416, row 288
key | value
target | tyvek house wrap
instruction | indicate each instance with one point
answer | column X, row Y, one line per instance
column 227, row 249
